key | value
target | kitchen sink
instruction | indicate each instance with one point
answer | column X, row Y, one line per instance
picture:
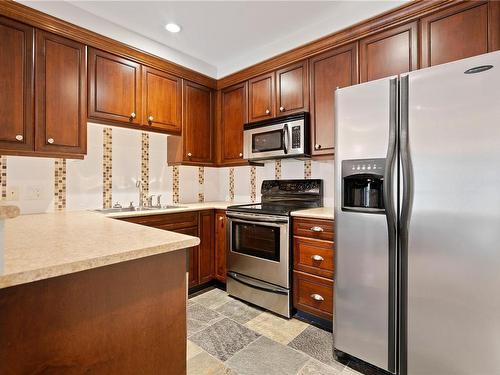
column 135, row 209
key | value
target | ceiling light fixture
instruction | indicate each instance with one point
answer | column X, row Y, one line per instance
column 173, row 27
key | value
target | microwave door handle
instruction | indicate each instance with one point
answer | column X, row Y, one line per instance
column 285, row 136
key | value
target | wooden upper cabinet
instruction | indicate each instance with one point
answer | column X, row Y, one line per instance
column 60, row 82
column 161, row 100
column 292, row 90
column 114, row 88
column 198, row 123
column 389, row 52
column 16, row 86
column 332, row 69
column 458, row 32
column 233, row 117
column 261, row 97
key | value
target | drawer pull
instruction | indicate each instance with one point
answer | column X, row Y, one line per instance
column 317, row 297
column 317, row 257
column 316, row 229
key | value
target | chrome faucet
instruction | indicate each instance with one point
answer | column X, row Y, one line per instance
column 140, row 186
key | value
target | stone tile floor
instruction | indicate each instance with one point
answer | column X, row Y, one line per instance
column 227, row 336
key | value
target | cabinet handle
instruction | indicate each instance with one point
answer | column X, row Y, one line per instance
column 317, row 147
column 132, row 115
column 282, row 109
column 50, row 140
column 317, row 258
column 19, row 137
column 190, row 154
column 268, row 111
column 150, row 118
column 317, row 297
column 241, row 155
column 316, row 229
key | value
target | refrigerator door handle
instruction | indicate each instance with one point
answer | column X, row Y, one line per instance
column 406, row 204
column 389, row 197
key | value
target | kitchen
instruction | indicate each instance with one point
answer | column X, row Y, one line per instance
column 163, row 214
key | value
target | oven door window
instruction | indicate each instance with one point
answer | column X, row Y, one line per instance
column 261, row 241
column 267, row 141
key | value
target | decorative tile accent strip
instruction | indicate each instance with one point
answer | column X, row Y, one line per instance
column 277, row 170
column 107, row 168
column 59, row 184
column 144, row 168
column 231, row 184
column 253, row 183
column 307, row 169
column 201, row 183
column 3, row 177
column 175, row 184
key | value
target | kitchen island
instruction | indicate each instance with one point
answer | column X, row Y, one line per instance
column 83, row 293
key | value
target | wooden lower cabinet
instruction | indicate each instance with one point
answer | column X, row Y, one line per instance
column 313, row 266
column 202, row 258
column 313, row 294
column 220, row 245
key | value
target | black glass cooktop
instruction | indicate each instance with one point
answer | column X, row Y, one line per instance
column 263, row 208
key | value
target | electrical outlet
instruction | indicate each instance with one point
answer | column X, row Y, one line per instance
column 33, row 193
column 13, row 193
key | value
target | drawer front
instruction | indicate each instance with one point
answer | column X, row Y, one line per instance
column 313, row 294
column 313, row 256
column 167, row 221
column 313, row 228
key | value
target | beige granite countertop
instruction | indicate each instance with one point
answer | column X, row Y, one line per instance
column 9, row 212
column 315, row 213
column 47, row 245
column 183, row 207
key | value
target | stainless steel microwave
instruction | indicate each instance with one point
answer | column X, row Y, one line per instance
column 282, row 137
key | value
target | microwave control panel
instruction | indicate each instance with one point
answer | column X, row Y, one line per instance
column 296, row 137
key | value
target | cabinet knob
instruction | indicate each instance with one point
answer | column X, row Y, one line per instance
column 190, row 154
column 241, row 155
column 317, row 297
column 19, row 137
column 317, row 147
column 132, row 115
column 150, row 118
column 282, row 109
column 316, row 229
column 50, row 140
column 221, row 218
column 317, row 258
column 268, row 111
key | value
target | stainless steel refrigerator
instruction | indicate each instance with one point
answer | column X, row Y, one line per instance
column 417, row 214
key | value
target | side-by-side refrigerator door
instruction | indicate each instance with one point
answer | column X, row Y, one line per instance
column 452, row 212
column 365, row 266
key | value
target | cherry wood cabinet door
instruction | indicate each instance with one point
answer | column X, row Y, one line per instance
column 61, row 95
column 198, row 123
column 207, row 256
column 332, row 69
column 114, row 88
column 292, row 90
column 161, row 100
column 458, row 32
column 193, row 257
column 233, row 117
column 261, row 97
column 16, row 86
column 389, row 52
column 220, row 245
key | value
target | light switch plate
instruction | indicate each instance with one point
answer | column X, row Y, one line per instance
column 12, row 193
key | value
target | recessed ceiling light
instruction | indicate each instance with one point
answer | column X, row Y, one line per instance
column 173, row 27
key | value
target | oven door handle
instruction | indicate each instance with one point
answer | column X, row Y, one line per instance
column 285, row 135
column 264, row 223
column 252, row 219
column 256, row 284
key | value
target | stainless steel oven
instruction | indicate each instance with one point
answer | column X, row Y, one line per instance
column 281, row 137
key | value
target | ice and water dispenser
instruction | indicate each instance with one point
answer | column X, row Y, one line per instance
column 363, row 185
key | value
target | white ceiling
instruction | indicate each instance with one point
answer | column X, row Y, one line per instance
column 232, row 35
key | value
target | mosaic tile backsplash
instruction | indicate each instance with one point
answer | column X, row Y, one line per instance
column 117, row 158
